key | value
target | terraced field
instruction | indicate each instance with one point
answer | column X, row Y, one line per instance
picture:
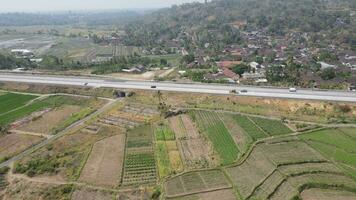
column 336, row 144
column 283, row 168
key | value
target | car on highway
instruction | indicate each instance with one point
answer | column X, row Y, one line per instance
column 153, row 86
column 292, row 90
column 233, row 92
column 86, row 84
column 243, row 91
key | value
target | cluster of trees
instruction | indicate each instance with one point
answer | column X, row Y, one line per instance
column 8, row 61
column 197, row 24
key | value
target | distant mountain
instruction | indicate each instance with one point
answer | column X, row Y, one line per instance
column 90, row 18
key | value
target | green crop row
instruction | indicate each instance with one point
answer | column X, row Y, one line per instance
column 218, row 134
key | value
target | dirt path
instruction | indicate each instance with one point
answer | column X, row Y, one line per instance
column 30, row 133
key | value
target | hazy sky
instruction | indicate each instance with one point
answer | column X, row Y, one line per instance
column 65, row 5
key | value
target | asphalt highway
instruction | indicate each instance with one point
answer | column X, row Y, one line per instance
column 307, row 94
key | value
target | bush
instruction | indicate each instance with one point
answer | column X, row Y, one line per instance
column 4, row 170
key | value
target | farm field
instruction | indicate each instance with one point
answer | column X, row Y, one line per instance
column 195, row 150
column 130, row 151
column 105, row 162
column 168, row 156
column 11, row 101
column 224, row 194
column 278, row 169
column 214, row 128
column 38, row 108
column 337, row 144
column 50, row 120
column 196, row 182
column 139, row 164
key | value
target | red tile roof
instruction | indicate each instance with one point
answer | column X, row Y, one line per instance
column 228, row 64
column 227, row 72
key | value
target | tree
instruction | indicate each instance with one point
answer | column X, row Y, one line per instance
column 163, row 61
column 188, row 59
column 240, row 69
column 328, row 74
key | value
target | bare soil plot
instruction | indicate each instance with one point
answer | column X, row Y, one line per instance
column 224, row 194
column 177, row 126
column 327, row 194
column 191, row 129
column 48, row 121
column 86, row 194
column 134, row 195
column 104, row 165
column 194, row 149
column 196, row 182
column 13, row 144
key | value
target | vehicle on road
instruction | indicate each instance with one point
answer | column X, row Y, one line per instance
column 243, row 91
column 86, row 84
column 292, row 90
column 233, row 91
column 153, row 86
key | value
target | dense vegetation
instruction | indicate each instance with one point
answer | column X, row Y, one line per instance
column 198, row 24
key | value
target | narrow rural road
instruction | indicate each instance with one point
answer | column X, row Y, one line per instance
column 60, row 134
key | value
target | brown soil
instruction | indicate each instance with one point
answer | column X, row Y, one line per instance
column 15, row 143
column 104, row 165
column 85, row 194
column 192, row 131
column 303, row 110
column 176, row 125
column 227, row 194
column 21, row 189
column 50, row 120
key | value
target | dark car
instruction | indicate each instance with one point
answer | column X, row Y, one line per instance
column 243, row 91
column 153, row 86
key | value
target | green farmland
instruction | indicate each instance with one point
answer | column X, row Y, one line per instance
column 50, row 102
column 337, row 144
column 218, row 134
column 11, row 101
